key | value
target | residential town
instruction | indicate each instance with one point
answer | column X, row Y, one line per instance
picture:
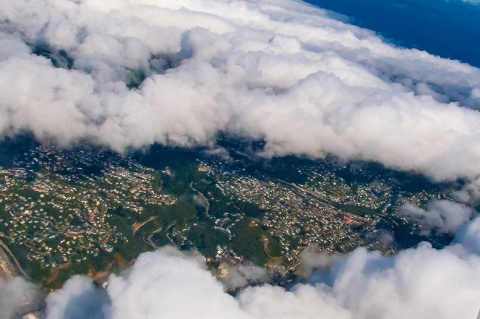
column 61, row 208
column 61, row 214
column 314, row 212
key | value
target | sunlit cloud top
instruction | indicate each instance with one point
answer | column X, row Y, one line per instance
column 127, row 74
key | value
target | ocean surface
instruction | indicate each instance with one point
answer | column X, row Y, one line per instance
column 450, row 29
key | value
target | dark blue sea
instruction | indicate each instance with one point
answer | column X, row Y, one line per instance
column 450, row 29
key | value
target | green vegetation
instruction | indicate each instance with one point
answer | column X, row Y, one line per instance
column 12, row 147
column 250, row 209
column 206, row 240
column 86, row 210
column 248, row 241
column 134, row 78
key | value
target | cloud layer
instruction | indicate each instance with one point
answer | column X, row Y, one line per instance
column 416, row 283
column 18, row 296
column 278, row 70
column 442, row 215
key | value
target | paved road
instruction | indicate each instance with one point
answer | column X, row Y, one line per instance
column 12, row 263
column 10, row 271
column 306, row 191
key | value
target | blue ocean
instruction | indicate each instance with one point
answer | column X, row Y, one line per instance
column 450, row 29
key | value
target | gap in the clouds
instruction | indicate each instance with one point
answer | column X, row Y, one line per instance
column 198, row 182
column 59, row 58
column 133, row 77
column 450, row 29
column 157, row 64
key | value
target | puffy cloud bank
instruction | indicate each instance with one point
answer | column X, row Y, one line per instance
column 442, row 215
column 129, row 73
column 416, row 283
column 17, row 295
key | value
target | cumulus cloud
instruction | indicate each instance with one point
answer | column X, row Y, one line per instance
column 419, row 283
column 17, row 296
column 469, row 193
column 240, row 276
column 129, row 73
column 164, row 284
column 442, row 215
column 312, row 259
column 79, row 298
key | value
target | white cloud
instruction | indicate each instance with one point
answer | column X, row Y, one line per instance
column 78, row 299
column 476, row 2
column 240, row 276
column 164, row 284
column 417, row 283
column 442, row 215
column 469, row 193
column 274, row 69
column 278, row 70
column 15, row 294
column 313, row 259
